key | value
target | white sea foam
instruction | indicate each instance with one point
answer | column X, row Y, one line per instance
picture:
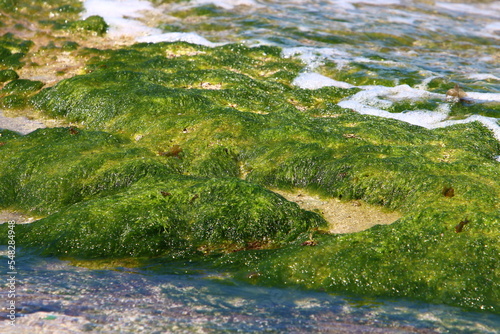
column 122, row 16
column 189, row 37
column 488, row 9
column 349, row 4
column 226, row 4
column 313, row 57
column 483, row 76
column 493, row 28
column 373, row 2
column 375, row 100
column 484, row 97
column 310, row 80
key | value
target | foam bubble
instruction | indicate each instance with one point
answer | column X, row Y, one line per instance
column 309, row 80
column 484, row 97
column 121, row 15
column 314, row 57
column 477, row 8
column 226, row 4
column 483, row 76
column 189, row 37
column 374, row 2
column 373, row 100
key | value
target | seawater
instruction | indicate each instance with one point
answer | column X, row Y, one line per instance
column 54, row 296
column 455, row 41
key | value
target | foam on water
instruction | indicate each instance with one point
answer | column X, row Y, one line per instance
column 374, row 100
column 122, row 16
column 483, row 76
column 313, row 57
column 310, row 80
column 489, row 9
column 189, row 37
column 226, row 4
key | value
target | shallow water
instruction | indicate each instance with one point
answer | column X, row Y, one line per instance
column 186, row 298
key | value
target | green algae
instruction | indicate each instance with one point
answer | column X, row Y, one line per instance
column 170, row 127
column 169, row 215
column 22, row 86
column 14, row 95
column 110, row 196
column 8, row 75
column 364, row 263
column 94, row 24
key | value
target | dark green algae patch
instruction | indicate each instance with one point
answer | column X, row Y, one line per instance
column 177, row 144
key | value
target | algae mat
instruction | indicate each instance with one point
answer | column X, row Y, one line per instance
column 175, row 146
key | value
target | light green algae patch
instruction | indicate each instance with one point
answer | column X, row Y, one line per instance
column 177, row 144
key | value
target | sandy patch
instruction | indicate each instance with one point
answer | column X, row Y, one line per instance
column 343, row 217
column 19, row 124
column 19, row 218
column 26, row 121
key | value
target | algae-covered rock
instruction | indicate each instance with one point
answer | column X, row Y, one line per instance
column 181, row 140
column 8, row 75
column 94, row 24
column 22, row 86
column 105, row 198
column 420, row 256
column 158, row 216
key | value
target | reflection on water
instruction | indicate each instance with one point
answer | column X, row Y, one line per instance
column 53, row 295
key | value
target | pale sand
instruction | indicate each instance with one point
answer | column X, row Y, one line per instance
column 342, row 217
column 19, row 218
column 19, row 124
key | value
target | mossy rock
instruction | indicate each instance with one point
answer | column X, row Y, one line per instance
column 169, row 126
column 165, row 216
column 8, row 75
column 433, row 262
column 105, row 198
column 22, row 86
column 93, row 24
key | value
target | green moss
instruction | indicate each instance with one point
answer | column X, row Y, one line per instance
column 192, row 120
column 9, row 60
column 363, row 263
column 22, row 86
column 8, row 75
column 407, row 105
column 109, row 198
column 463, row 109
column 14, row 94
column 161, row 216
column 7, row 5
column 14, row 101
column 94, row 24
column 372, row 73
column 15, row 44
column 69, row 46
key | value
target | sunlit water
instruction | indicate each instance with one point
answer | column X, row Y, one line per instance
column 457, row 42
column 53, row 296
